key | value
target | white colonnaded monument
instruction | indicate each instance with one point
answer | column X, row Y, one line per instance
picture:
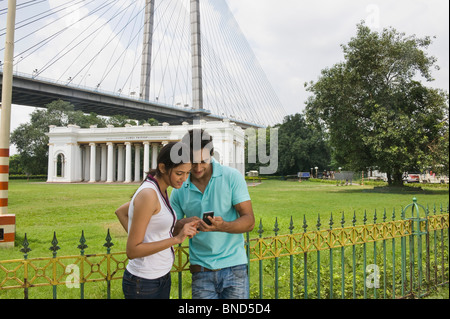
column 125, row 154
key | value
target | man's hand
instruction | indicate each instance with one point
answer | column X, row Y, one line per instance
column 217, row 224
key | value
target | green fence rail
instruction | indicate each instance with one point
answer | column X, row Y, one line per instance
column 387, row 258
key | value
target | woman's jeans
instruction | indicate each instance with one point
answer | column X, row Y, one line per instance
column 139, row 288
column 227, row 283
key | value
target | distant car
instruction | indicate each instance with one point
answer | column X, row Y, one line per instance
column 412, row 178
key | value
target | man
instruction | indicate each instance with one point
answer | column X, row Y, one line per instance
column 217, row 254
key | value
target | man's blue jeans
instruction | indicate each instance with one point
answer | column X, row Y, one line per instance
column 227, row 283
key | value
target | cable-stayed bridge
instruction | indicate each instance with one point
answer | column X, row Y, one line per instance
column 173, row 60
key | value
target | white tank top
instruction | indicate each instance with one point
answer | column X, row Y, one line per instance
column 159, row 228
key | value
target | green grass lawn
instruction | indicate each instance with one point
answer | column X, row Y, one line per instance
column 283, row 199
column 67, row 209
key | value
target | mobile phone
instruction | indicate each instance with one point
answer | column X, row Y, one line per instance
column 205, row 217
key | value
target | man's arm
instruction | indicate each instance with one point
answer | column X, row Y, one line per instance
column 245, row 222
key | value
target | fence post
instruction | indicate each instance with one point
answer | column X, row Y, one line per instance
column 343, row 262
column 276, row 229
column 25, row 250
column 291, row 261
column 82, row 246
column 331, row 259
column 318, row 259
column 393, row 259
column 260, row 232
column 108, row 246
column 403, row 253
column 54, row 248
column 365, row 258
column 384, row 258
column 354, row 258
column 375, row 253
column 416, row 232
column 305, row 260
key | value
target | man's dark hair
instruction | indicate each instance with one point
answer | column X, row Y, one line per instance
column 198, row 139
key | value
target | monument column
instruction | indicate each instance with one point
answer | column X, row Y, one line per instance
column 86, row 163
column 146, row 157
column 93, row 162
column 103, row 164
column 110, row 169
column 155, row 155
column 137, row 162
column 51, row 164
column 120, row 168
column 127, row 162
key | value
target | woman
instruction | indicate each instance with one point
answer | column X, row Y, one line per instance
column 150, row 220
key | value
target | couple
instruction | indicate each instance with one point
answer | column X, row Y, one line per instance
column 155, row 224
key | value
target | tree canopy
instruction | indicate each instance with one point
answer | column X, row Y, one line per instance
column 377, row 112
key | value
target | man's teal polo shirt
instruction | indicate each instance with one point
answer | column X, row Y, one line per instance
column 227, row 187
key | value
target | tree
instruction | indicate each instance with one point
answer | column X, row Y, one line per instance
column 301, row 146
column 30, row 138
column 377, row 113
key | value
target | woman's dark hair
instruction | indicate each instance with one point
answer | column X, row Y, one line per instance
column 165, row 155
column 171, row 155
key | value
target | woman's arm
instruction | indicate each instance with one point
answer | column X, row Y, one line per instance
column 146, row 204
column 122, row 215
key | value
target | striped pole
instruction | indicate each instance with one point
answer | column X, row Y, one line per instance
column 7, row 222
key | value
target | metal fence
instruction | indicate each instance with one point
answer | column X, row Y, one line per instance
column 392, row 257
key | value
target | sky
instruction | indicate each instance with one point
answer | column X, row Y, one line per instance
column 294, row 39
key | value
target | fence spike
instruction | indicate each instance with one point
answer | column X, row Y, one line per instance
column 365, row 217
column 25, row 250
column 384, row 216
column 260, row 230
column 305, row 225
column 318, row 222
column 291, row 225
column 331, row 223
column 375, row 217
column 393, row 214
column 108, row 243
column 82, row 246
column 54, row 247
column 276, row 229
column 342, row 220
